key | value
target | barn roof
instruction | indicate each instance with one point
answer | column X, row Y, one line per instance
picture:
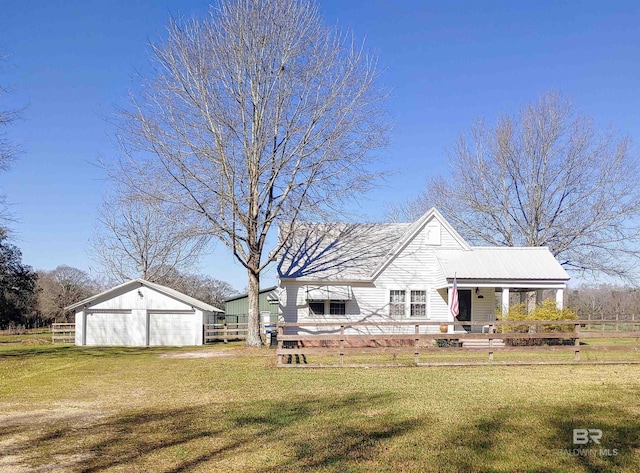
column 157, row 287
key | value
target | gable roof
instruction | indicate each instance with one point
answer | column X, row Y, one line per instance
column 411, row 233
column 505, row 263
column 157, row 287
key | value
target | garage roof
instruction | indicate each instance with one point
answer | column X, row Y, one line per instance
column 157, row 287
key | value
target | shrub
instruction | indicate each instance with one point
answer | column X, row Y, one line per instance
column 547, row 310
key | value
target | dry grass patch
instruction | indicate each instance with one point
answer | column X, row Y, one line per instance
column 139, row 410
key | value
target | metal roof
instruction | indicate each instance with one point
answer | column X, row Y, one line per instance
column 246, row 294
column 338, row 251
column 162, row 289
column 510, row 263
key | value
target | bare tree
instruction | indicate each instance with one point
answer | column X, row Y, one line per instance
column 605, row 301
column 202, row 287
column 60, row 288
column 257, row 114
column 545, row 178
column 8, row 149
column 137, row 239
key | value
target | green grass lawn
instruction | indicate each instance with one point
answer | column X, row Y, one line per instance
column 77, row 409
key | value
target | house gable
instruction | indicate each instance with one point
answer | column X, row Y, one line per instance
column 430, row 232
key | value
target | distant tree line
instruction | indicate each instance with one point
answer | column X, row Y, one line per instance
column 38, row 298
column 605, row 301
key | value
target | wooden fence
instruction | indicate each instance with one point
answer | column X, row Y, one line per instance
column 22, row 330
column 225, row 332
column 63, row 333
column 415, row 338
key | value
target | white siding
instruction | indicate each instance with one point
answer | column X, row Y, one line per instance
column 80, row 327
column 440, row 305
column 142, row 298
column 483, row 309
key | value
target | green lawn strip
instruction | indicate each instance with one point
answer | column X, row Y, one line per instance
column 106, row 409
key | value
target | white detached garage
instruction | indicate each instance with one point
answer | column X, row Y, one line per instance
column 141, row 313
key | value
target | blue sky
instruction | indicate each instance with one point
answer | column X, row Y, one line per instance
column 447, row 63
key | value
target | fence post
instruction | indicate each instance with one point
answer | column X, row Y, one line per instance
column 341, row 344
column 416, row 352
column 490, row 343
column 576, row 331
column 280, row 344
column 225, row 335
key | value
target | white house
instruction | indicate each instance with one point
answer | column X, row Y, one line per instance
column 405, row 272
column 141, row 313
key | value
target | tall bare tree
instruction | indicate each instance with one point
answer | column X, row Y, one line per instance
column 135, row 238
column 257, row 114
column 8, row 148
column 547, row 177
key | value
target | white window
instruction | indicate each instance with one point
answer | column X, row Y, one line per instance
column 418, row 303
column 397, row 302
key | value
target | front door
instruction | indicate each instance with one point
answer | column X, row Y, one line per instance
column 464, row 301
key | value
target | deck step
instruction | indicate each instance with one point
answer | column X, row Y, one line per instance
column 497, row 343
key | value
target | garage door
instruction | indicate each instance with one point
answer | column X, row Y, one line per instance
column 117, row 328
column 173, row 329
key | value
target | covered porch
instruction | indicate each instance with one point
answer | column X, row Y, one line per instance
column 487, row 277
column 480, row 300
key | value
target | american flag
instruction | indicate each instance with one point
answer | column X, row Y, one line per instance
column 455, row 306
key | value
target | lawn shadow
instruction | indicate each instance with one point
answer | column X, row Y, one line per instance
column 314, row 432
column 66, row 351
column 490, row 442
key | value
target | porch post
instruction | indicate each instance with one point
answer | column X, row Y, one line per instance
column 505, row 302
column 560, row 299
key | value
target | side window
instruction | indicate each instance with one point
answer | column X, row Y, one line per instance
column 337, row 308
column 396, row 303
column 419, row 303
column 316, row 308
